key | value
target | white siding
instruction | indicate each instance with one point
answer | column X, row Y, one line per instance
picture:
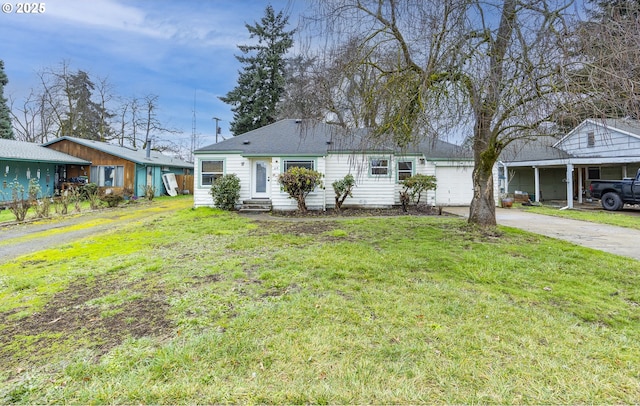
column 455, row 186
column 281, row 201
column 607, row 142
column 426, row 168
column 370, row 191
column 232, row 164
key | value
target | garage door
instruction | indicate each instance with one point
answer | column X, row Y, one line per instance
column 454, row 185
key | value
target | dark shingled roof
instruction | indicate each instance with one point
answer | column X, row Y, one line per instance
column 299, row 137
column 538, row 149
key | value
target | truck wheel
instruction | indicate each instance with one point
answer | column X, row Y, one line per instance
column 611, row 201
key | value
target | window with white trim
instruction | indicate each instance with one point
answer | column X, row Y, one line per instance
column 379, row 167
column 107, row 176
column 300, row 163
column 210, row 171
column 591, row 140
column 405, row 170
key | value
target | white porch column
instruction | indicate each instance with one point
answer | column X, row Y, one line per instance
column 570, row 186
column 506, row 178
column 536, row 179
column 580, row 189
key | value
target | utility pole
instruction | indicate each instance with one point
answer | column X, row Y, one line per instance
column 217, row 128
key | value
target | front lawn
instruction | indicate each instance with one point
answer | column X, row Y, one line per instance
column 205, row 307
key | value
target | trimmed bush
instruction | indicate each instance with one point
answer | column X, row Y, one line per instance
column 414, row 187
column 298, row 183
column 226, row 191
column 112, row 199
column 343, row 188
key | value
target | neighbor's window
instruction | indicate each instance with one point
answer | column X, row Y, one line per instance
column 593, row 172
column 292, row 163
column 108, row 176
column 379, row 166
column 591, row 140
column 405, row 170
column 211, row 170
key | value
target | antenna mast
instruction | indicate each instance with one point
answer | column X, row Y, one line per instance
column 193, row 126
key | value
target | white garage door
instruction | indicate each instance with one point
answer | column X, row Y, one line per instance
column 454, row 185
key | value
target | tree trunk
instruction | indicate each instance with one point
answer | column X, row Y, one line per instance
column 483, row 207
column 302, row 205
column 486, row 147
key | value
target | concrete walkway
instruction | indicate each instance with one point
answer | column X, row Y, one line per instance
column 612, row 239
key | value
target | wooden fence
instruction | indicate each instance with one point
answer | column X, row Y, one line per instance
column 185, row 183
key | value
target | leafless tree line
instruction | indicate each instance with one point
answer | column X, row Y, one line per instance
column 73, row 103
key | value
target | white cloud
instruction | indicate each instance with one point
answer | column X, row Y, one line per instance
column 106, row 14
column 201, row 23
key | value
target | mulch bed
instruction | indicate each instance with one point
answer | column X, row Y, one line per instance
column 422, row 210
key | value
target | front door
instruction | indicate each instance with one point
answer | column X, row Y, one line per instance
column 261, row 179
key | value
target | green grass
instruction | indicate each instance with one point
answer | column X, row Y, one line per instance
column 594, row 216
column 209, row 307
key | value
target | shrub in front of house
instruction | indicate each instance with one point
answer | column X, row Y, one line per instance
column 226, row 191
column 20, row 200
column 298, row 183
column 343, row 189
column 112, row 199
column 148, row 191
column 91, row 192
column 414, row 187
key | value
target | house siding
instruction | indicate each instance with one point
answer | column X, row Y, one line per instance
column 370, row 191
column 281, row 200
column 99, row 158
column 608, row 142
column 18, row 173
column 233, row 163
column 552, row 186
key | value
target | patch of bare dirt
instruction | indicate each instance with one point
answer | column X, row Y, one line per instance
column 70, row 320
column 297, row 228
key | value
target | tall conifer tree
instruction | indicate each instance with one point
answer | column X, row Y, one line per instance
column 6, row 129
column 261, row 82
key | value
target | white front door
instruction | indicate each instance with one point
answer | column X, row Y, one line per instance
column 261, row 179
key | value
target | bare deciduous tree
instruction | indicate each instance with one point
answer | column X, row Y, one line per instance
column 609, row 63
column 431, row 63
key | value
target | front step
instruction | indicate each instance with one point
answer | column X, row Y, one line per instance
column 256, row 206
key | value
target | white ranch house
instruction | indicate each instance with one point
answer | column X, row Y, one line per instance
column 259, row 156
column 562, row 169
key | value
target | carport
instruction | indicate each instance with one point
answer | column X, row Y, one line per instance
column 595, row 149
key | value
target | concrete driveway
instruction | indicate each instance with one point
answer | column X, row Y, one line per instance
column 612, row 239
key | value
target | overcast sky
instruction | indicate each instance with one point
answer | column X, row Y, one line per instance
column 173, row 49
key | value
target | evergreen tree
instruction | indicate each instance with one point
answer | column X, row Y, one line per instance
column 261, row 82
column 84, row 117
column 6, row 129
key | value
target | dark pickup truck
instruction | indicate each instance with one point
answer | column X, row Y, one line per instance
column 614, row 194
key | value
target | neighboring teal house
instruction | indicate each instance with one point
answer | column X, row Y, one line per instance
column 22, row 161
column 122, row 169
